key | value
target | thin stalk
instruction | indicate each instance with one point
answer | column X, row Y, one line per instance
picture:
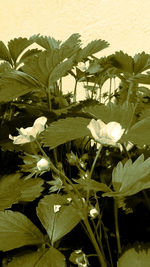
column 129, row 91
column 108, row 246
column 92, row 169
column 60, row 87
column 93, row 90
column 75, row 91
column 49, row 99
column 94, row 162
column 94, row 242
column 117, row 225
column 59, row 173
column 126, row 151
column 100, row 93
column 110, row 86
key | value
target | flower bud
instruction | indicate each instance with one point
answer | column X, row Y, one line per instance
column 43, row 164
column 94, row 213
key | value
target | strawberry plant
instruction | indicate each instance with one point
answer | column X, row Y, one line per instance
column 75, row 175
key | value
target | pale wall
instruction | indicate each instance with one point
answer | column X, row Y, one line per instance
column 125, row 24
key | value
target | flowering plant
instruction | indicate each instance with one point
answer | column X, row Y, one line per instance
column 106, row 134
column 83, row 165
column 29, row 134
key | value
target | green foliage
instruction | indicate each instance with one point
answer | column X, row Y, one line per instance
column 65, row 130
column 139, row 255
column 139, row 132
column 4, row 53
column 16, row 230
column 17, row 46
column 47, row 42
column 31, row 86
column 13, row 190
column 43, row 257
column 92, row 48
column 57, row 223
column 131, row 178
column 15, row 84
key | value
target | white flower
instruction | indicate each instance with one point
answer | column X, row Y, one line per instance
column 106, row 134
column 29, row 134
column 56, row 208
column 94, row 213
column 43, row 164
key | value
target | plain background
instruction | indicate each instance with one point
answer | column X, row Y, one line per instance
column 125, row 24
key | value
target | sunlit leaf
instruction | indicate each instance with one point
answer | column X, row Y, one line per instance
column 47, row 42
column 139, row 133
column 142, row 78
column 141, row 62
column 92, row 48
column 111, row 112
column 65, row 130
column 17, row 46
column 122, row 61
column 16, row 230
column 57, row 224
column 41, row 65
column 16, row 83
column 60, row 70
column 4, row 53
column 89, row 184
column 29, row 53
column 135, row 256
column 70, row 46
column 131, row 178
column 14, row 189
column 43, row 257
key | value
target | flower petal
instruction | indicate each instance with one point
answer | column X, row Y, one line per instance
column 94, row 127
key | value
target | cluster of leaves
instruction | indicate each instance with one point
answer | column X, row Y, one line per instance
column 31, row 86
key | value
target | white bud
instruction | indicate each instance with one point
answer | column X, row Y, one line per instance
column 56, row 208
column 93, row 213
column 43, row 164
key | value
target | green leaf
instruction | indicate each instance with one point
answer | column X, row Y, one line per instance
column 17, row 46
column 15, row 84
column 141, row 62
column 65, row 130
column 122, row 61
column 43, row 257
column 60, row 70
column 89, row 184
column 131, row 178
column 5, row 68
column 112, row 112
column 70, row 46
column 4, row 53
column 16, row 230
column 142, row 78
column 29, row 53
column 41, row 65
column 57, row 224
column 47, row 42
column 135, row 256
column 30, row 189
column 139, row 133
column 92, row 48
column 13, row 189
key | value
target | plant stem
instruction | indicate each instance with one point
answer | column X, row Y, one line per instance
column 117, row 226
column 94, row 242
column 94, row 162
column 110, row 90
column 75, row 91
column 129, row 91
column 49, row 99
